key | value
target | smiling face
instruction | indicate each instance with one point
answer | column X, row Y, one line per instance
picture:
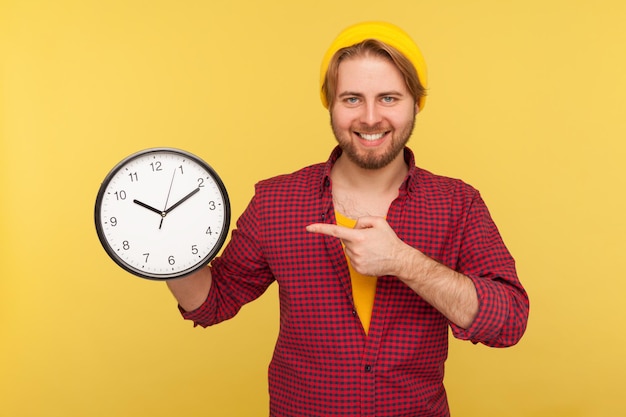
column 373, row 113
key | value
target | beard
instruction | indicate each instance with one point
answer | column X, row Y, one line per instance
column 373, row 159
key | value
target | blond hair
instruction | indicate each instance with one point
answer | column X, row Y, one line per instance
column 376, row 48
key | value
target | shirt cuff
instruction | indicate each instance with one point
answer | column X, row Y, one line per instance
column 200, row 316
column 493, row 311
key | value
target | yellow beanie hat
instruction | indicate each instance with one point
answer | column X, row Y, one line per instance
column 384, row 32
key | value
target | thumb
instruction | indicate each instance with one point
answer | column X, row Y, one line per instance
column 367, row 222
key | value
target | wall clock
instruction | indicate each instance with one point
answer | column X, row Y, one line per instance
column 162, row 213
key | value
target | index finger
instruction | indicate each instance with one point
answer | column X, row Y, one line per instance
column 330, row 230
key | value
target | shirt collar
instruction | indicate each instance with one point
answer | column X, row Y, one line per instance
column 409, row 184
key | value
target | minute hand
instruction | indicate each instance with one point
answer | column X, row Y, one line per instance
column 182, row 200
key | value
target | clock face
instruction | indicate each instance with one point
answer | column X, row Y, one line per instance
column 162, row 213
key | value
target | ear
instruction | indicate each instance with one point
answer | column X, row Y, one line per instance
column 417, row 108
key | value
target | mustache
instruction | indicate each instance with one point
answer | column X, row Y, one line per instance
column 364, row 128
column 376, row 128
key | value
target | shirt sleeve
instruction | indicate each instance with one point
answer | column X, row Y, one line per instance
column 240, row 274
column 503, row 302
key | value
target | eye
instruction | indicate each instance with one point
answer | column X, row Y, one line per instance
column 351, row 100
column 388, row 99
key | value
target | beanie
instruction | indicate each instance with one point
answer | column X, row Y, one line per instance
column 381, row 31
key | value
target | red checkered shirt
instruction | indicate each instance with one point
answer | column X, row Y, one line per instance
column 324, row 364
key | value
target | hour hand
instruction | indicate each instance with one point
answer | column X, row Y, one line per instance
column 157, row 211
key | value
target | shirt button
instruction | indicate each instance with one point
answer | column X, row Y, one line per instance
column 368, row 368
column 354, row 312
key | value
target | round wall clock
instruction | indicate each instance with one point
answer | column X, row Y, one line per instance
column 162, row 213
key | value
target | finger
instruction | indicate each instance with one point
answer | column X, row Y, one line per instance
column 367, row 222
column 330, row 230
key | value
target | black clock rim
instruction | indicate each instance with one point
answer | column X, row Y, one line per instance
column 162, row 277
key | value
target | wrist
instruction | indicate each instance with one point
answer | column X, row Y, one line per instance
column 411, row 264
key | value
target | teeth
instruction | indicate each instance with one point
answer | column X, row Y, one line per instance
column 372, row 136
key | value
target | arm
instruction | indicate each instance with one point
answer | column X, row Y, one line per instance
column 473, row 250
column 451, row 293
column 374, row 249
column 239, row 275
column 191, row 291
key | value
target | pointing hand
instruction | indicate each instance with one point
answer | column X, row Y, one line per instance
column 373, row 247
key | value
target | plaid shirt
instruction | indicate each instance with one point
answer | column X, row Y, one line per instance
column 323, row 363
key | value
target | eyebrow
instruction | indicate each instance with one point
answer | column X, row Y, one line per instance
column 383, row 94
column 350, row 93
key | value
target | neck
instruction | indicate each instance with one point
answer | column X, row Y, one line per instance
column 346, row 173
column 361, row 192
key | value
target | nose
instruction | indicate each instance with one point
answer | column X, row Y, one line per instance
column 371, row 114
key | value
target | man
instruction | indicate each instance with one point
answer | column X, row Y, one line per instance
column 375, row 258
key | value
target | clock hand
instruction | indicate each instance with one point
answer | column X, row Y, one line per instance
column 167, row 199
column 181, row 201
column 157, row 211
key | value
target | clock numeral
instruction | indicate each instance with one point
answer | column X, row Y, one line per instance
column 125, row 245
column 200, row 182
column 120, row 195
column 209, row 231
column 181, row 169
column 156, row 166
column 113, row 221
column 133, row 176
column 171, row 260
column 147, row 255
column 211, row 205
column 194, row 249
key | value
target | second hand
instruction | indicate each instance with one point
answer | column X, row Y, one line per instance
column 167, row 199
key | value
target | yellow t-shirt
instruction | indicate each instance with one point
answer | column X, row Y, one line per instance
column 363, row 286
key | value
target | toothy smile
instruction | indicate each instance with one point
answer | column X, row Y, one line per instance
column 372, row 136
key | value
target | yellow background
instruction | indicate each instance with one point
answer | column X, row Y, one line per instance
column 527, row 103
